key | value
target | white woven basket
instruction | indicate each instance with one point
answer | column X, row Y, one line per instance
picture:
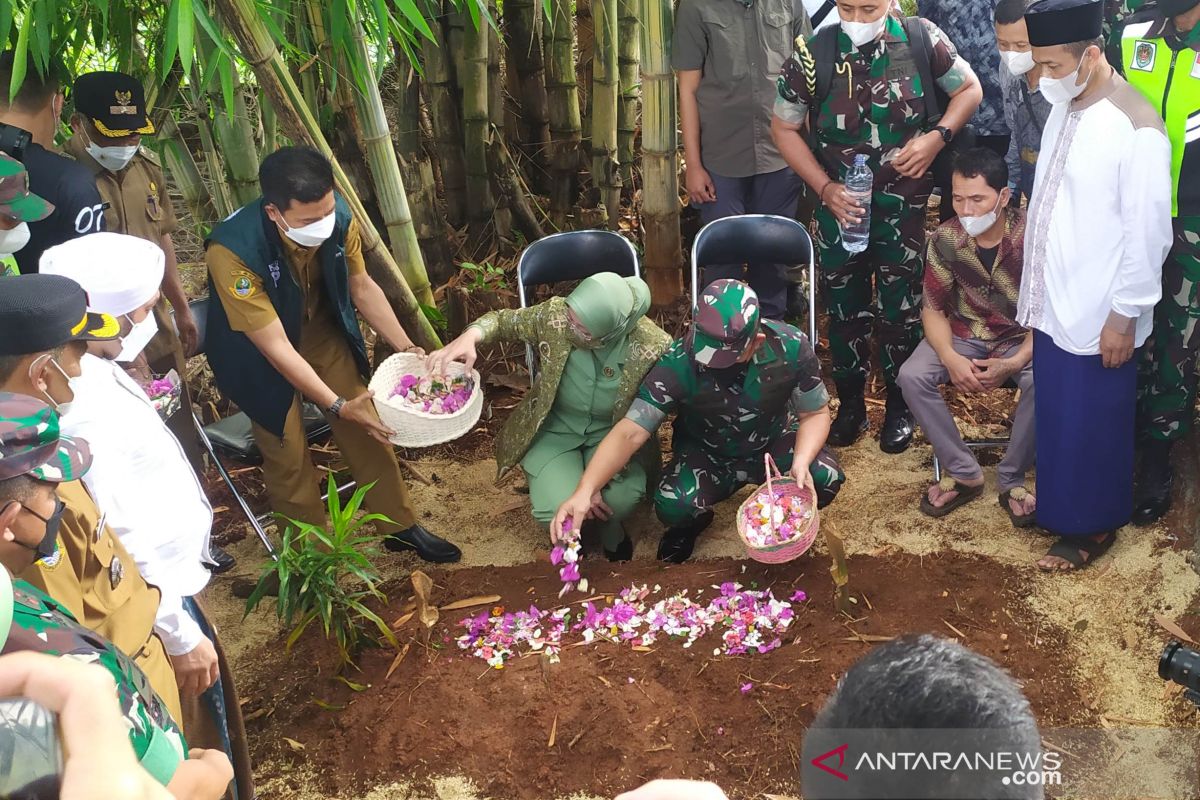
column 412, row 428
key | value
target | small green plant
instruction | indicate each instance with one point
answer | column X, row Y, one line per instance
column 483, row 277
column 326, row 575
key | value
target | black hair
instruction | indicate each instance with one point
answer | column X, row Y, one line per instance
column 1009, row 12
column 976, row 161
column 19, row 489
column 926, row 682
column 10, row 364
column 299, row 174
column 1077, row 48
column 37, row 89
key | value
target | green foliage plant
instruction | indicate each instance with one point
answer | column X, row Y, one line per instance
column 325, row 575
column 483, row 277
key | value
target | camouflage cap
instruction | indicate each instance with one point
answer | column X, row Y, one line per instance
column 725, row 324
column 30, row 443
column 16, row 201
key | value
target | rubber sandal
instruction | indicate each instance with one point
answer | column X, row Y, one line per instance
column 1068, row 549
column 1018, row 520
column 965, row 495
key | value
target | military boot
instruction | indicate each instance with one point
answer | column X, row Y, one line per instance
column 852, row 412
column 897, row 432
column 679, row 541
column 1152, row 498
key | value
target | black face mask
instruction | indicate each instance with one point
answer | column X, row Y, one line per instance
column 45, row 548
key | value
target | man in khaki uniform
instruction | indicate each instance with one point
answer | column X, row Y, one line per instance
column 44, row 328
column 109, row 122
column 288, row 280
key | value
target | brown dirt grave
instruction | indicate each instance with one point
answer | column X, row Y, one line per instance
column 607, row 717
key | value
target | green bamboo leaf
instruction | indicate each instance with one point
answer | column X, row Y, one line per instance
column 44, row 17
column 299, row 630
column 187, row 34
column 339, row 25
column 409, row 11
column 6, row 21
column 225, row 73
column 356, row 687
column 328, row 706
column 170, row 40
column 209, row 26
column 20, row 57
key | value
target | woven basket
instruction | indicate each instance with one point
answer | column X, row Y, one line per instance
column 412, row 428
column 792, row 548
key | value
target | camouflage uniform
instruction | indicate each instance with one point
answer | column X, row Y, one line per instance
column 728, row 417
column 874, row 107
column 18, row 204
column 41, row 625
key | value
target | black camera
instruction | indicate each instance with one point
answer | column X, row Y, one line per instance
column 14, row 140
column 1181, row 665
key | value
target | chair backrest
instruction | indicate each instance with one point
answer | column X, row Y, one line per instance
column 200, row 314
column 573, row 256
column 750, row 238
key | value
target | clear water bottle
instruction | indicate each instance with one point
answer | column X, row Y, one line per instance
column 859, row 186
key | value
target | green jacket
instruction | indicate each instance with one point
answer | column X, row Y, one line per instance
column 545, row 327
column 1165, row 69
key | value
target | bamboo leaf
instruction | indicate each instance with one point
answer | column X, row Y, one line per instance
column 170, row 40
column 44, row 15
column 6, row 21
column 299, row 630
column 187, row 34
column 209, row 26
column 20, row 57
column 225, row 72
column 409, row 11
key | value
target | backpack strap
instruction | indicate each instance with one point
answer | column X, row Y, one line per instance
column 824, row 49
column 921, row 45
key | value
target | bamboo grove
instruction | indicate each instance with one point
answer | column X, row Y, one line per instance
column 501, row 120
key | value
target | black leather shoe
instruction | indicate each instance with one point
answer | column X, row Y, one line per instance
column 678, row 543
column 1152, row 497
column 622, row 552
column 851, row 420
column 225, row 562
column 897, row 432
column 429, row 547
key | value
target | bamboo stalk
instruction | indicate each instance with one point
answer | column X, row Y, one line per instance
column 219, row 192
column 660, row 159
column 296, row 118
column 629, row 49
column 605, row 90
column 236, row 138
column 502, row 217
column 270, row 126
column 565, row 127
column 477, row 130
column 440, row 87
column 523, row 25
column 183, row 170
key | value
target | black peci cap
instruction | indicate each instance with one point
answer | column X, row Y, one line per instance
column 1052, row 22
column 114, row 101
column 41, row 312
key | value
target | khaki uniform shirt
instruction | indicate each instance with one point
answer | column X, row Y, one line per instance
column 245, row 300
column 137, row 198
column 739, row 50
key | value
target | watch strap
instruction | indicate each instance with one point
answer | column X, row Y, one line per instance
column 335, row 408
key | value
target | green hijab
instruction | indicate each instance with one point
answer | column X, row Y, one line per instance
column 610, row 307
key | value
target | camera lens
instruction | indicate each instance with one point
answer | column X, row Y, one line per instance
column 1181, row 665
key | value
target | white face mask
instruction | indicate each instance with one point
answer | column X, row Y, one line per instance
column 113, row 159
column 138, row 337
column 976, row 226
column 312, row 235
column 1064, row 90
column 862, row 33
column 62, row 409
column 1016, row 62
column 14, row 239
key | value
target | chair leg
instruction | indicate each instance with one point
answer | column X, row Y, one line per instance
column 254, row 522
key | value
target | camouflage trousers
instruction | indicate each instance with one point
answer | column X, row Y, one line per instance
column 697, row 479
column 879, row 287
column 1167, row 371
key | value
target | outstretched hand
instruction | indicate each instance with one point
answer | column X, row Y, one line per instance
column 461, row 349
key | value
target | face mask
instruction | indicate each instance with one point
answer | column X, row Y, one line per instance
column 14, row 239
column 313, row 234
column 979, row 225
column 138, row 337
column 45, row 548
column 113, row 159
column 1018, row 63
column 62, row 409
column 1064, row 90
column 862, row 33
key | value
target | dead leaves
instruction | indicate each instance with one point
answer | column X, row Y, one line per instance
column 1171, row 627
column 297, row 747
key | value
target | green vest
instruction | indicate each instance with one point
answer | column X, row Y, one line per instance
column 1170, row 80
column 8, row 266
column 242, row 372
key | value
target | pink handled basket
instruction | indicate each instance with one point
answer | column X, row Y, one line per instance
column 803, row 539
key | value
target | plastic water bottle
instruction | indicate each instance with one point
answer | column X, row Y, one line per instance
column 859, row 185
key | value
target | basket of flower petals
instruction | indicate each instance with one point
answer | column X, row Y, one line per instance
column 423, row 409
column 779, row 521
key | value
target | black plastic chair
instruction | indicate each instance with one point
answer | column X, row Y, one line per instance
column 751, row 238
column 573, row 256
column 233, row 437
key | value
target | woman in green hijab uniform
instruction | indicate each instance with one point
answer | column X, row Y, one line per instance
column 593, row 347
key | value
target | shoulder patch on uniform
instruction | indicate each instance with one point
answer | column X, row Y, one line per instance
column 53, row 560
column 1144, row 54
column 243, row 284
column 149, row 155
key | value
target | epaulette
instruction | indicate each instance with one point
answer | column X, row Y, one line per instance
column 149, row 155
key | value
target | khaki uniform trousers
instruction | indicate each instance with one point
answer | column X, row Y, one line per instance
column 292, row 482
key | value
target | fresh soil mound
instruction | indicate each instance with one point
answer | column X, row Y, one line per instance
column 608, row 717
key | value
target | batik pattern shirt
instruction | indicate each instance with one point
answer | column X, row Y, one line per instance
column 1026, row 113
column 969, row 24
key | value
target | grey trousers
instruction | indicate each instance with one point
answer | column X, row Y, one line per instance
column 921, row 379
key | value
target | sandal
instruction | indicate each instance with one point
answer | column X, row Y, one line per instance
column 1078, row 551
column 1018, row 520
column 965, row 495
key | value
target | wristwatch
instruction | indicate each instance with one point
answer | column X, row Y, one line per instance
column 335, row 408
column 946, row 133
